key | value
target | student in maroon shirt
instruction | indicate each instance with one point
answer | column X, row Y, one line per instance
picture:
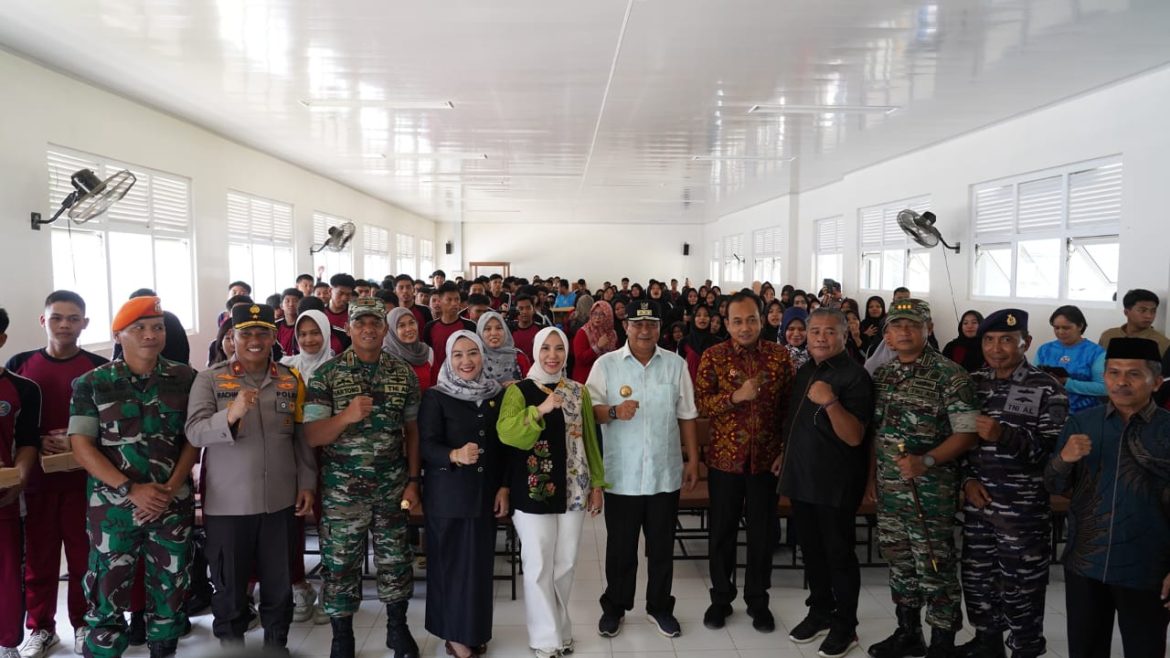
column 496, row 294
column 337, row 309
column 20, row 402
column 286, row 328
column 525, row 328
column 404, row 288
column 436, row 332
column 55, row 502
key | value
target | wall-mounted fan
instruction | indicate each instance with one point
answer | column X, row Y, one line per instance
column 339, row 236
column 921, row 229
column 91, row 196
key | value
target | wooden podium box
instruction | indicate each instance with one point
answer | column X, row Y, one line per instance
column 9, row 477
column 59, row 463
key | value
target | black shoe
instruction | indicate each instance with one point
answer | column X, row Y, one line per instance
column 398, row 637
column 907, row 640
column 137, row 628
column 811, row 628
column 837, row 644
column 232, row 644
column 609, row 625
column 343, row 643
column 762, row 619
column 163, row 648
column 942, row 644
column 276, row 641
column 716, row 615
column 665, row 623
column 987, row 644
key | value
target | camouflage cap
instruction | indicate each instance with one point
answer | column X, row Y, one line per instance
column 909, row 309
column 366, row 306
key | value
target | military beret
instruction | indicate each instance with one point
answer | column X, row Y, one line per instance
column 1008, row 319
column 1133, row 348
column 366, row 306
column 134, row 310
column 253, row 315
column 909, row 309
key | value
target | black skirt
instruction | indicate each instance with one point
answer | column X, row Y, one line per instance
column 460, row 563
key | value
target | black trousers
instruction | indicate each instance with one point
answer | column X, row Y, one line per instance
column 752, row 496
column 827, row 536
column 1091, row 604
column 654, row 517
column 237, row 546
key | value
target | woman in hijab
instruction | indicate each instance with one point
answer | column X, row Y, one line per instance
column 556, row 475
column 699, row 339
column 501, row 360
column 312, row 332
column 799, row 300
column 403, row 342
column 595, row 338
column 793, row 335
column 773, row 315
column 967, row 350
column 873, row 322
column 464, row 493
column 224, row 346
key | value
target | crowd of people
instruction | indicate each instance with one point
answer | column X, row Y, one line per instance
column 352, row 403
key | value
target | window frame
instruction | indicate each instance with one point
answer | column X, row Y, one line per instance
column 370, row 249
column 400, row 254
column 734, row 263
column 827, row 245
column 321, row 223
column 263, row 234
column 769, row 249
column 890, row 239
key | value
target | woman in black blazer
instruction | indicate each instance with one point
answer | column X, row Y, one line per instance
column 463, row 495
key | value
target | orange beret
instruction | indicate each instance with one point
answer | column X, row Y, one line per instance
column 136, row 309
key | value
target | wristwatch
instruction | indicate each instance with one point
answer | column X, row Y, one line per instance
column 124, row 488
column 613, row 413
column 928, row 461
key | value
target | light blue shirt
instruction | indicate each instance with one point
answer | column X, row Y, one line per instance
column 643, row 455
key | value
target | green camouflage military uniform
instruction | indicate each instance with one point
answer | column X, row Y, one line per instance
column 363, row 475
column 921, row 404
column 138, row 423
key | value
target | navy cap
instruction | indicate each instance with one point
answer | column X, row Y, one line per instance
column 253, row 315
column 643, row 309
column 1007, row 319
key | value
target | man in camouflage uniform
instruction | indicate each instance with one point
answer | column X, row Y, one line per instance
column 126, row 428
column 925, row 421
column 1007, row 516
column 361, row 406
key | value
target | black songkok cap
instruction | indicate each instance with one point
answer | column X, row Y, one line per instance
column 1133, row 348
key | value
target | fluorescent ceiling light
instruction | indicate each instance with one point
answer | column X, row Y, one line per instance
column 765, row 108
column 740, row 158
column 350, row 103
column 426, row 156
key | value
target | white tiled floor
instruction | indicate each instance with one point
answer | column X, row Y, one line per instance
column 638, row 637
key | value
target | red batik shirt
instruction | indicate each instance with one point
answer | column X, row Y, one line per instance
column 744, row 436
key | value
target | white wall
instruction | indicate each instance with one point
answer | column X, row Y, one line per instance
column 1123, row 119
column 40, row 107
column 594, row 252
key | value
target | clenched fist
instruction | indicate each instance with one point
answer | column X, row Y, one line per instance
column 467, row 455
column 359, row 409
column 821, row 393
column 1077, row 447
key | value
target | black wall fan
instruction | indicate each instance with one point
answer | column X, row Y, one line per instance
column 339, row 236
column 921, row 229
column 91, row 196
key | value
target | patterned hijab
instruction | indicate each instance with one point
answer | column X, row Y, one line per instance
column 498, row 363
column 476, row 390
column 416, row 353
column 536, row 373
column 594, row 334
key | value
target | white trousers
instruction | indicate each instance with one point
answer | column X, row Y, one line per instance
column 548, row 549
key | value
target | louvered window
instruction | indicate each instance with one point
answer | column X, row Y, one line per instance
column 142, row 241
column 828, row 244
column 260, row 243
column 426, row 257
column 334, row 262
column 1052, row 235
column 888, row 258
column 715, row 268
column 768, row 247
column 405, row 255
column 733, row 259
column 375, row 252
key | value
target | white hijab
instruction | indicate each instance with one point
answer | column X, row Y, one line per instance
column 536, row 372
column 307, row 364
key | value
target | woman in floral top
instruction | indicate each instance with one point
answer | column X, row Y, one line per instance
column 556, row 475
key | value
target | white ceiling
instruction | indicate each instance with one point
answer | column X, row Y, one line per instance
column 590, row 110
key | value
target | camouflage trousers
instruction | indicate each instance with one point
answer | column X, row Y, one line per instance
column 1005, row 569
column 908, row 542
column 358, row 502
column 117, row 544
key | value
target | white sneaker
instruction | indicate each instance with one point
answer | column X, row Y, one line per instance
column 9, row 652
column 38, row 644
column 79, row 636
column 303, row 599
column 254, row 619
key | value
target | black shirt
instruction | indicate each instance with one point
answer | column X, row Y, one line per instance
column 819, row 467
